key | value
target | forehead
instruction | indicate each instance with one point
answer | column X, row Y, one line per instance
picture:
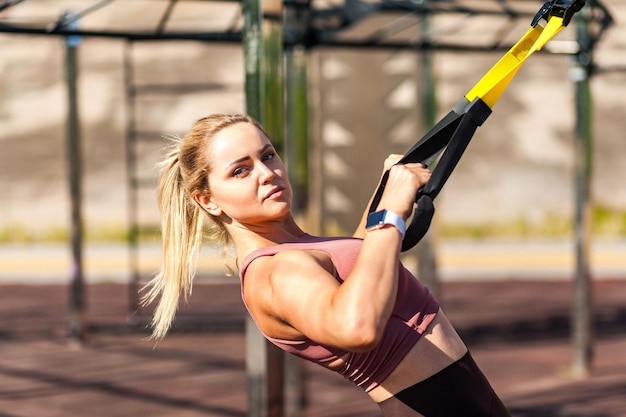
column 236, row 141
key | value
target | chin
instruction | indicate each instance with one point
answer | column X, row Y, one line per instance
column 283, row 210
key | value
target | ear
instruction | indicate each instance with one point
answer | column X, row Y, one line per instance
column 207, row 202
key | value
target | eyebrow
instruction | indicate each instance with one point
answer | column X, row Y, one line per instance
column 245, row 158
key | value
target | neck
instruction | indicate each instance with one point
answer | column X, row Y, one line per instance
column 250, row 238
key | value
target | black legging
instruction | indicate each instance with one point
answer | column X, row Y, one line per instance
column 460, row 390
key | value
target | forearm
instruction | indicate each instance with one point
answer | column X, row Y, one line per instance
column 389, row 162
column 368, row 294
column 371, row 287
column 360, row 230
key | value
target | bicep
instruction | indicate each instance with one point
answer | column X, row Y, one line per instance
column 304, row 289
column 295, row 295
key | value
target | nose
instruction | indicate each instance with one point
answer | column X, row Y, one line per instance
column 265, row 173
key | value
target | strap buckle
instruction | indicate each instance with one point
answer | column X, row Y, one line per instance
column 564, row 9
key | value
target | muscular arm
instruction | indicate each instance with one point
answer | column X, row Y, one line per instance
column 294, row 293
column 301, row 292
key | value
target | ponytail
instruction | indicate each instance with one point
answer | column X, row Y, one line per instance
column 184, row 174
column 181, row 228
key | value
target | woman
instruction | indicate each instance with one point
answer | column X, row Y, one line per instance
column 345, row 303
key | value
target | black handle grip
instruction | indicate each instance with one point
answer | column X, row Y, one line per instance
column 422, row 217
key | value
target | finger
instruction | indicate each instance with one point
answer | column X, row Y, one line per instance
column 418, row 168
column 391, row 160
column 416, row 165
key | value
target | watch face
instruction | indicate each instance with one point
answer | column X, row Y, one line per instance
column 375, row 219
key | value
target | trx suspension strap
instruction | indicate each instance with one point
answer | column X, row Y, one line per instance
column 453, row 133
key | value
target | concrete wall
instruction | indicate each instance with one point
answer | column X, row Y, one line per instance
column 520, row 164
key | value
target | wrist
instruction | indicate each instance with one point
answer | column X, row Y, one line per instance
column 382, row 218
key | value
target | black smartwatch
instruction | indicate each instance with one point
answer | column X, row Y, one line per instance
column 378, row 219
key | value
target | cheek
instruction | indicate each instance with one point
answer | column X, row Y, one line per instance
column 235, row 195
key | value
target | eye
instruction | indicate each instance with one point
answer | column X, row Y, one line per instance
column 269, row 156
column 240, row 171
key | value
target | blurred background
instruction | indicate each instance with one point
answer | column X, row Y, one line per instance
column 505, row 224
column 516, row 179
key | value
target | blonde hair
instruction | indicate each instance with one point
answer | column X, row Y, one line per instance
column 184, row 174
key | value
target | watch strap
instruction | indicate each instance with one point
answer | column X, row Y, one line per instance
column 380, row 218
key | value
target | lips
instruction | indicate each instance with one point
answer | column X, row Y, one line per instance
column 275, row 192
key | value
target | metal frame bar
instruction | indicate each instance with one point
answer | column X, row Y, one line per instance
column 77, row 300
column 342, row 19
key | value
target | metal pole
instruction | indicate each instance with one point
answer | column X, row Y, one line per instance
column 134, row 318
column 582, row 326
column 296, row 151
column 76, row 289
column 427, row 262
column 263, row 56
column 297, row 125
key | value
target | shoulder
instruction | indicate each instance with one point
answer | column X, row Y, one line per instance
column 277, row 287
column 288, row 272
column 289, row 262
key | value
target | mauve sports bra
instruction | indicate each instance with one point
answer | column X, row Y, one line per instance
column 414, row 310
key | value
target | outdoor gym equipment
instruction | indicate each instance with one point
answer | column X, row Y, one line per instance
column 451, row 135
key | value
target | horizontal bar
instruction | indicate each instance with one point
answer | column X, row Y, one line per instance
column 233, row 37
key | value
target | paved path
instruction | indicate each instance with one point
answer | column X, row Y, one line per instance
column 510, row 301
column 518, row 332
column 456, row 260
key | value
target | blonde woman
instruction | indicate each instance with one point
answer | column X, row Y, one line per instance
column 346, row 303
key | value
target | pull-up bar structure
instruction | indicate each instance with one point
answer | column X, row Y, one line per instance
column 272, row 32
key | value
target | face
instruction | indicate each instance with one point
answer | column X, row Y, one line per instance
column 248, row 181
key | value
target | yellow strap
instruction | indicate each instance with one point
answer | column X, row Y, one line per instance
column 496, row 80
